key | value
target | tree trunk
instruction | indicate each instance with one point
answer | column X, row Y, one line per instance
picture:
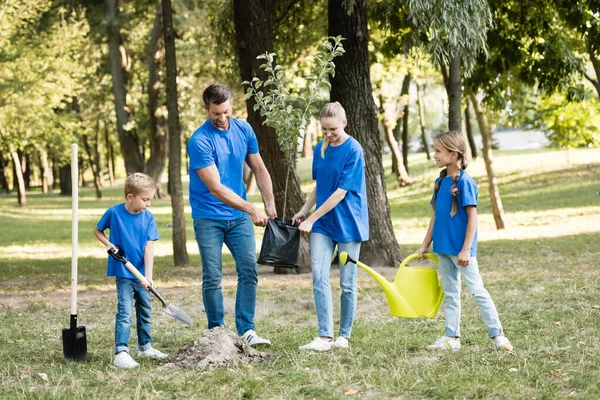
column 130, row 147
column 46, row 171
column 421, row 103
column 469, row 130
column 110, row 158
column 351, row 86
column 250, row 182
column 405, row 115
column 4, row 174
column 595, row 64
column 253, row 34
column 497, row 209
column 180, row 254
column 454, row 96
column 400, row 121
column 25, row 168
column 19, row 181
column 400, row 171
column 64, row 173
column 93, row 165
column 158, row 138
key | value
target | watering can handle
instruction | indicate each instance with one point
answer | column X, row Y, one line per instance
column 431, row 256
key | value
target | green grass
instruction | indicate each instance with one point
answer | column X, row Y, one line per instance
column 542, row 272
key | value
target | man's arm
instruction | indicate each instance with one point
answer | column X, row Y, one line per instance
column 263, row 181
column 210, row 176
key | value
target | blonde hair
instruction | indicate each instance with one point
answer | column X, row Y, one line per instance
column 331, row 110
column 452, row 141
column 138, row 183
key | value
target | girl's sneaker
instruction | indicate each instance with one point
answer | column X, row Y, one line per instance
column 318, row 344
column 341, row 342
column 502, row 344
column 152, row 353
column 124, row 360
column 445, row 343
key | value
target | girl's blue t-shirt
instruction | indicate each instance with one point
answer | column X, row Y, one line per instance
column 344, row 168
column 449, row 232
column 129, row 232
column 227, row 150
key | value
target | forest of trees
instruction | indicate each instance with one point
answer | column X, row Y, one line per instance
column 124, row 80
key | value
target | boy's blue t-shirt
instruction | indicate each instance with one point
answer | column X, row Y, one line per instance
column 344, row 168
column 449, row 232
column 129, row 232
column 227, row 150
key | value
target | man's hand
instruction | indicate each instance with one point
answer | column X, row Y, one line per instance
column 259, row 218
column 271, row 211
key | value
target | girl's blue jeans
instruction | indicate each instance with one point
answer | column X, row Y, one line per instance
column 127, row 291
column 451, row 275
column 321, row 252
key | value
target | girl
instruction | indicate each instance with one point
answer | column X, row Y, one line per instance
column 453, row 230
column 341, row 218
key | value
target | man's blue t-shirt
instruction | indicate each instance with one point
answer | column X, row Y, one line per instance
column 449, row 232
column 227, row 150
column 129, row 232
column 343, row 168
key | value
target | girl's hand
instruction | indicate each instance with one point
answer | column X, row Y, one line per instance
column 298, row 218
column 464, row 257
column 148, row 285
column 421, row 251
column 306, row 226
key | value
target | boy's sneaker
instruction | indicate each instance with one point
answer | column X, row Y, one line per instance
column 445, row 343
column 502, row 344
column 124, row 360
column 318, row 344
column 152, row 353
column 254, row 340
column 341, row 342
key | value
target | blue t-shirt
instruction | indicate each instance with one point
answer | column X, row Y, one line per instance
column 343, row 168
column 449, row 232
column 129, row 232
column 227, row 150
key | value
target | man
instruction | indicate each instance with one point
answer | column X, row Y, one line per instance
column 221, row 213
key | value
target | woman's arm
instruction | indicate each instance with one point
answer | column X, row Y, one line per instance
column 329, row 204
column 308, row 205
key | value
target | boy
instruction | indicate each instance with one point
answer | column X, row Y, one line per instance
column 132, row 229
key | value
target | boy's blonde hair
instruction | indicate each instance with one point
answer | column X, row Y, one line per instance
column 138, row 183
column 331, row 110
column 455, row 142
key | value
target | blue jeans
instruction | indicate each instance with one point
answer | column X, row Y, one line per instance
column 451, row 273
column 238, row 235
column 321, row 252
column 127, row 291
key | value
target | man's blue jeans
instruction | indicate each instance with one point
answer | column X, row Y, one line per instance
column 238, row 235
column 127, row 291
column 321, row 252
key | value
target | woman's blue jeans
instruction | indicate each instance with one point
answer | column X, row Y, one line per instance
column 127, row 291
column 238, row 235
column 321, row 252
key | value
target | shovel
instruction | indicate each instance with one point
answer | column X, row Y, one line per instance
column 168, row 307
column 73, row 338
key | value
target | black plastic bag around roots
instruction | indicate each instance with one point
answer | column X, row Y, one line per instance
column 280, row 244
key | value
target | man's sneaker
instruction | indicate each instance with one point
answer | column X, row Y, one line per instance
column 124, row 360
column 152, row 353
column 445, row 343
column 318, row 344
column 341, row 342
column 502, row 343
column 254, row 340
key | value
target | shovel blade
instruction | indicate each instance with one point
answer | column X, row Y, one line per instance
column 177, row 313
column 74, row 343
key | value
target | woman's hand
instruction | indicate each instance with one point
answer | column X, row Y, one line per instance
column 306, row 226
column 299, row 217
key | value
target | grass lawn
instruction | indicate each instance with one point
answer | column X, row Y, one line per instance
column 542, row 271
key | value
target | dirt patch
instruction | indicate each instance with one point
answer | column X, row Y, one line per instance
column 217, row 347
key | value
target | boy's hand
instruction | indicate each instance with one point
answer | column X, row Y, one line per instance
column 148, row 285
column 464, row 257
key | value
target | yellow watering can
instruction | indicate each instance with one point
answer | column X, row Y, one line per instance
column 415, row 292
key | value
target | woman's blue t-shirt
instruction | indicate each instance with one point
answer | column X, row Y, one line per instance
column 449, row 232
column 344, row 168
column 129, row 232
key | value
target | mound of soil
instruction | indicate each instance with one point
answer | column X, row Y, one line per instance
column 217, row 347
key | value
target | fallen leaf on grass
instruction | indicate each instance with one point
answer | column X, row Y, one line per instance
column 557, row 323
column 350, row 392
column 596, row 306
column 513, row 369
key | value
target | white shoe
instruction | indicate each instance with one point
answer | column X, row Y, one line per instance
column 124, row 360
column 445, row 343
column 502, row 343
column 254, row 340
column 341, row 342
column 152, row 353
column 318, row 344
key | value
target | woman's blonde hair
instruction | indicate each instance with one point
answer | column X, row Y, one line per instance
column 138, row 183
column 331, row 110
column 455, row 142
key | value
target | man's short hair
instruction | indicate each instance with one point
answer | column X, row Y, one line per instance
column 216, row 94
column 138, row 183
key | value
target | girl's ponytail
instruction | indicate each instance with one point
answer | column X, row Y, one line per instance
column 453, row 141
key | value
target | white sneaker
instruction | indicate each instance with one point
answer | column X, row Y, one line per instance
column 254, row 340
column 445, row 343
column 124, row 360
column 318, row 344
column 341, row 342
column 502, row 344
column 152, row 353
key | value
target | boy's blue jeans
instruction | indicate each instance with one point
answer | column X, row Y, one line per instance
column 321, row 252
column 127, row 291
column 238, row 235
column 451, row 273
